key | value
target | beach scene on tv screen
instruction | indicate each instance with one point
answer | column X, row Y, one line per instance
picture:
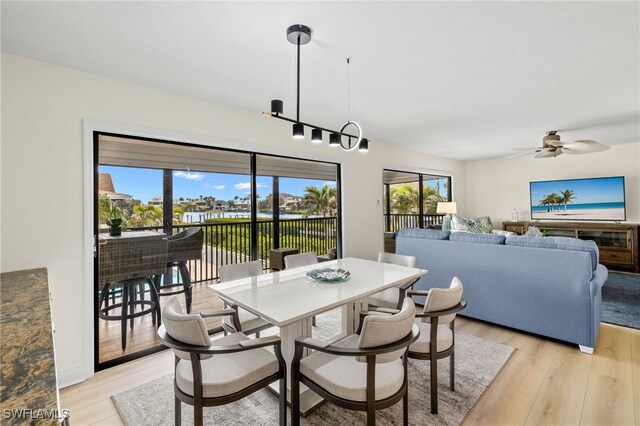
column 578, row 199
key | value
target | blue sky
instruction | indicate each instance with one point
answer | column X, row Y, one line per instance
column 143, row 184
column 587, row 191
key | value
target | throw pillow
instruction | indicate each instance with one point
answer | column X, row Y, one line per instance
column 472, row 224
column 501, row 232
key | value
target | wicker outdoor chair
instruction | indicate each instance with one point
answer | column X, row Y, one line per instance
column 126, row 266
column 182, row 247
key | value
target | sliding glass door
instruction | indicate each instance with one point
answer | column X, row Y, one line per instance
column 244, row 203
column 411, row 199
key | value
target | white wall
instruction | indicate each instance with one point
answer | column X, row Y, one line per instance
column 43, row 107
column 495, row 187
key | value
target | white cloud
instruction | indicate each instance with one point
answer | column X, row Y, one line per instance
column 214, row 186
column 330, row 183
column 247, row 185
column 242, row 185
column 189, row 175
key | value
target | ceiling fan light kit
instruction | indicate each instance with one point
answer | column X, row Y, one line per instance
column 552, row 146
column 300, row 35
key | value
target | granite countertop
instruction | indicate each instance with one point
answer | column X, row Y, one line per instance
column 28, row 372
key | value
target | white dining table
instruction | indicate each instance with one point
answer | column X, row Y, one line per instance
column 289, row 299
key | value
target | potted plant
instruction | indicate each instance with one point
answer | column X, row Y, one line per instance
column 114, row 222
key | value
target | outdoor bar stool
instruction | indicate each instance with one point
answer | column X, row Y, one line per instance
column 129, row 290
column 127, row 265
column 181, row 248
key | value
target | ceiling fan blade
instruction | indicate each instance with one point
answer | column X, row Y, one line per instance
column 548, row 154
column 521, row 153
column 526, row 148
column 584, row 147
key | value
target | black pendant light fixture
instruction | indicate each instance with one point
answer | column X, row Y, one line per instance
column 300, row 35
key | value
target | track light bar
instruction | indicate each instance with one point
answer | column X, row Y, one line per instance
column 299, row 35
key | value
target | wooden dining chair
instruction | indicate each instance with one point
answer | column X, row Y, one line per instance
column 437, row 331
column 216, row 372
column 363, row 372
column 244, row 321
column 393, row 297
column 301, row 259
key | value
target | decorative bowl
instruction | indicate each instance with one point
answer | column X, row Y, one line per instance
column 329, row 275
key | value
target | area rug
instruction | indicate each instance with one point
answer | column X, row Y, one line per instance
column 621, row 300
column 478, row 362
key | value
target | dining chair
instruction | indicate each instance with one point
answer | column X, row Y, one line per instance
column 244, row 321
column 301, row 259
column 363, row 372
column 298, row 260
column 211, row 372
column 437, row 331
column 393, row 297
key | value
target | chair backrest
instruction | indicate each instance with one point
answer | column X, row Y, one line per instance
column 186, row 328
column 444, row 298
column 397, row 259
column 240, row 270
column 302, row 259
column 185, row 245
column 378, row 330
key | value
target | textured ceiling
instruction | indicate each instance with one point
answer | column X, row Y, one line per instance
column 463, row 80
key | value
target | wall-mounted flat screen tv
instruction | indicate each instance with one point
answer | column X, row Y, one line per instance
column 578, row 199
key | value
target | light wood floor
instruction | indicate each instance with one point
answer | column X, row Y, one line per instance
column 544, row 382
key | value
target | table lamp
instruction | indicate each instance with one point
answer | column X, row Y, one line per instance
column 448, row 208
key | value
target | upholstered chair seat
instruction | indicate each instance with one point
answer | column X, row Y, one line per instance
column 346, row 377
column 219, row 371
column 249, row 323
column 437, row 338
column 244, row 321
column 226, row 374
column 423, row 344
column 366, row 371
column 393, row 297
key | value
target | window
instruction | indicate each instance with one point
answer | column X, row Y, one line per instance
column 411, row 199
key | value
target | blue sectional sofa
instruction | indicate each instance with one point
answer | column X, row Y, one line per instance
column 549, row 286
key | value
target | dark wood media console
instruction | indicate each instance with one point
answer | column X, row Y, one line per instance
column 618, row 243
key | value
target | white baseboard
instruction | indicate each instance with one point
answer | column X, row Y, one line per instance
column 71, row 376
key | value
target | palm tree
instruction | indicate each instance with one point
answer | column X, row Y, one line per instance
column 567, row 197
column 404, row 199
column 550, row 200
column 322, row 201
column 431, row 197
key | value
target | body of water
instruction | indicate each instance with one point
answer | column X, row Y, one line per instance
column 196, row 217
column 571, row 207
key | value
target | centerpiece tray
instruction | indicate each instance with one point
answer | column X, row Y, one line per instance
column 329, row 275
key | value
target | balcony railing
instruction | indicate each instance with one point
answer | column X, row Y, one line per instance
column 395, row 221
column 229, row 243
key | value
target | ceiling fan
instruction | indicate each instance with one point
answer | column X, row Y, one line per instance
column 552, row 146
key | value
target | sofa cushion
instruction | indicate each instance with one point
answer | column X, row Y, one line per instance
column 429, row 234
column 559, row 243
column 477, row 237
column 472, row 224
